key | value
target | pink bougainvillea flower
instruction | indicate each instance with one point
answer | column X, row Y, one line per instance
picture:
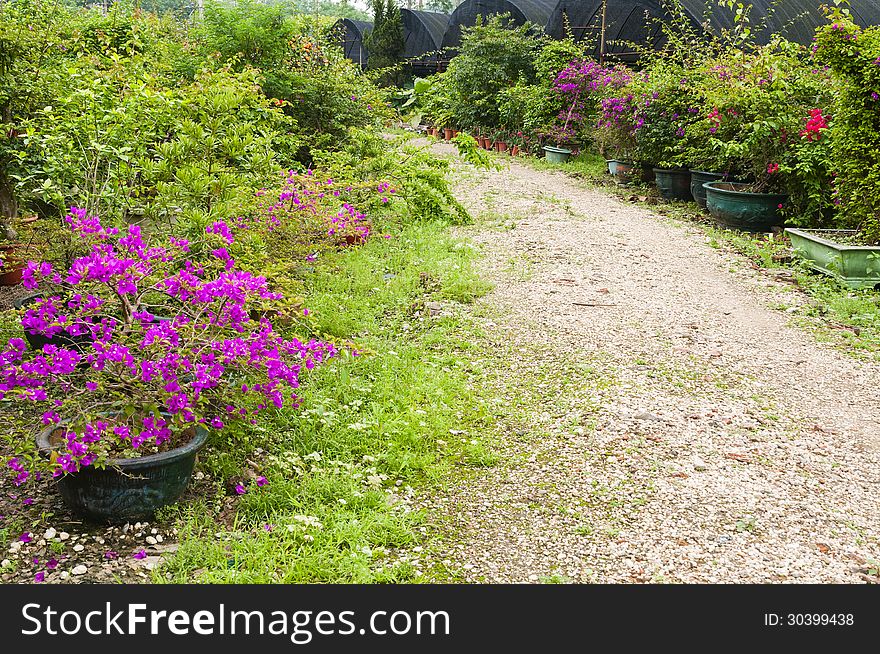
column 262, row 481
column 140, row 554
column 241, row 490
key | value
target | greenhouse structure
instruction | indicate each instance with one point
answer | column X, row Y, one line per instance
column 423, row 33
column 352, row 34
column 521, row 11
column 617, row 28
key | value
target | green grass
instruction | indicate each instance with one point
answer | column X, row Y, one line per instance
column 587, row 165
column 372, row 426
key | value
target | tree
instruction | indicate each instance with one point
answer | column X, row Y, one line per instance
column 385, row 43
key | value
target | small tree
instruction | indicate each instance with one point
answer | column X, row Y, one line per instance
column 385, row 43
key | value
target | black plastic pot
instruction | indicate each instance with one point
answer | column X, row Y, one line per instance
column 127, row 489
column 673, row 183
column 700, row 177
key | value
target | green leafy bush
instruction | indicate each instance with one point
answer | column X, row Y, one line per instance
column 494, row 55
column 854, row 56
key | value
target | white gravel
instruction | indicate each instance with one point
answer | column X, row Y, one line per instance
column 711, row 440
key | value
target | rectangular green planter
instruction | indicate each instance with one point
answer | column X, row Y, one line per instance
column 855, row 266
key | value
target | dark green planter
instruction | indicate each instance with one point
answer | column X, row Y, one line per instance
column 556, row 155
column 127, row 489
column 698, row 178
column 854, row 266
column 673, row 183
column 737, row 209
column 647, row 174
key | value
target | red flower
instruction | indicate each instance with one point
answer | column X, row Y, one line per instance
column 772, row 168
column 815, row 124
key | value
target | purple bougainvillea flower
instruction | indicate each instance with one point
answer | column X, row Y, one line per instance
column 241, row 490
column 52, row 564
column 111, row 555
column 140, row 554
column 28, row 501
column 268, row 527
column 39, row 578
column 26, row 537
column 262, row 481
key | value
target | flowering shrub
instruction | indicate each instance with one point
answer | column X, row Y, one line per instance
column 663, row 101
column 616, row 127
column 154, row 344
column 854, row 56
column 581, row 85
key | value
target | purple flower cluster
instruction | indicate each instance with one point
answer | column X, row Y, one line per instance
column 325, row 200
column 200, row 359
column 579, row 83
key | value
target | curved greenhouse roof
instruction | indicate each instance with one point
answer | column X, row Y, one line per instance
column 422, row 31
column 352, row 34
column 636, row 20
column 423, row 36
column 521, row 11
column 625, row 20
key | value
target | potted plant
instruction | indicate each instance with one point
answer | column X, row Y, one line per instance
column 615, row 134
column 516, row 141
column 501, row 141
column 850, row 250
column 706, row 158
column 171, row 354
column 11, row 264
column 664, row 98
column 583, row 84
column 769, row 117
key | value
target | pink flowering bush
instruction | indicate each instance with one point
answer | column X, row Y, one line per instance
column 145, row 340
column 581, row 85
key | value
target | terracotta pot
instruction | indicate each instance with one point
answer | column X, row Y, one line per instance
column 514, row 151
column 12, row 266
column 500, row 146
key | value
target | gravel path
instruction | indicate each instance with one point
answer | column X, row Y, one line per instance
column 710, row 442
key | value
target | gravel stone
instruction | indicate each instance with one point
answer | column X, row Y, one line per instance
column 784, row 430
